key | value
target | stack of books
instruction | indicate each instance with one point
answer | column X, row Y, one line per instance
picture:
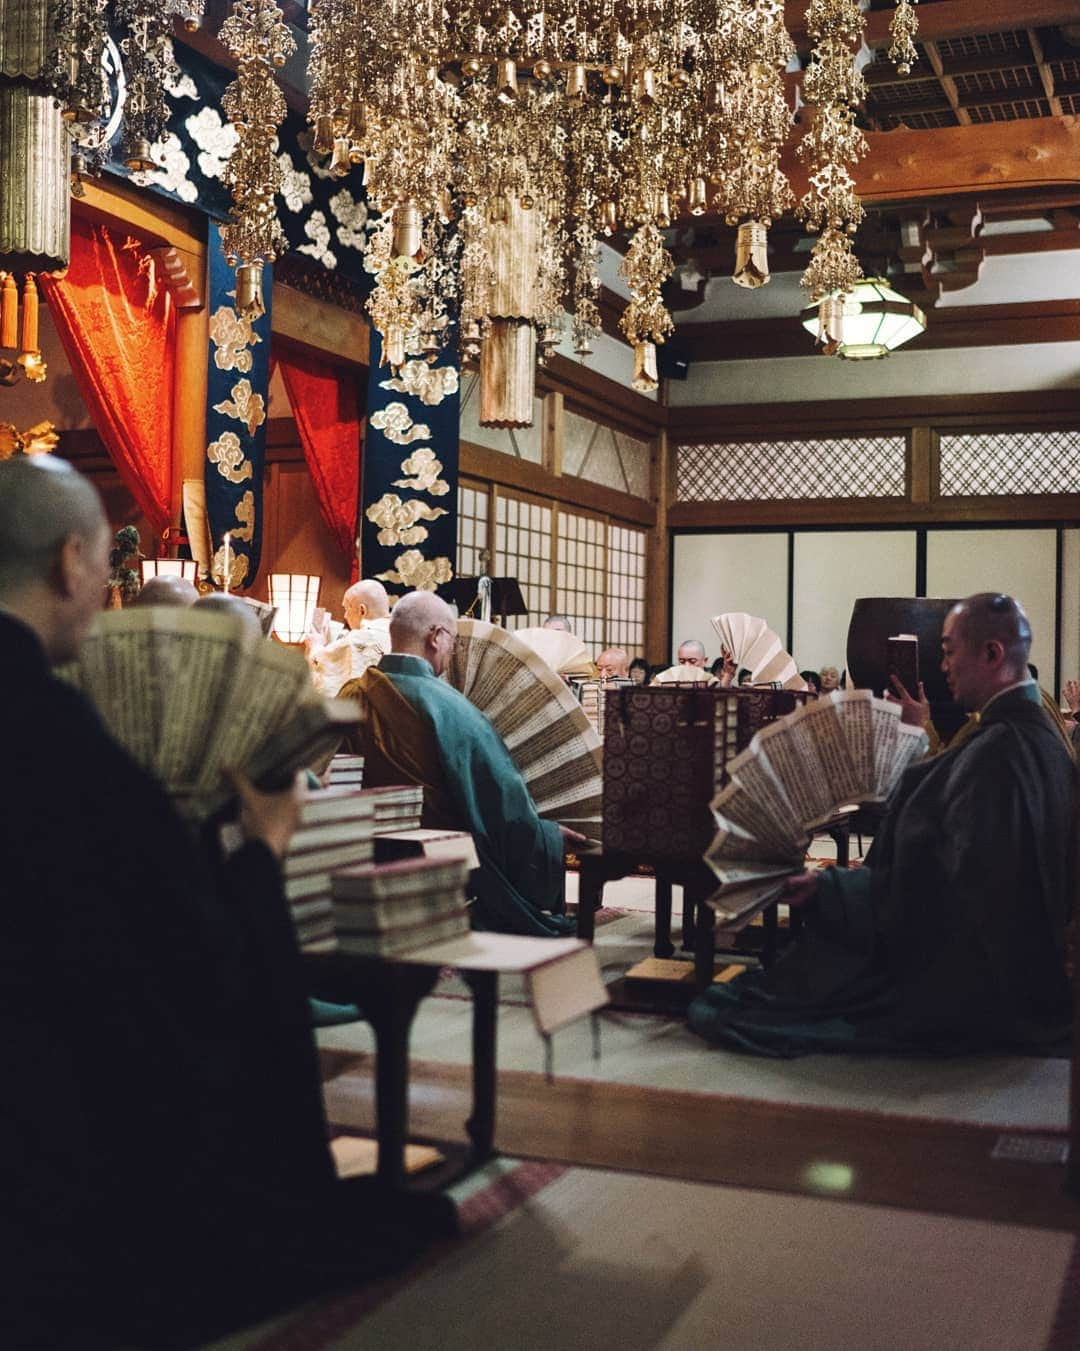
column 592, row 704
column 397, row 807
column 346, row 771
column 336, row 830
column 396, row 907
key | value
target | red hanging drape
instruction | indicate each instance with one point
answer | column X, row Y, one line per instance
column 326, row 408
column 118, row 327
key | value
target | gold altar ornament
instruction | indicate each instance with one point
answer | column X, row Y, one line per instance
column 542, row 128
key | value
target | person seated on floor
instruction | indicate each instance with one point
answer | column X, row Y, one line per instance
column 828, row 679
column 421, row 730
column 166, row 590
column 165, row 1172
column 334, row 661
column 613, row 664
column 639, row 671
column 952, row 938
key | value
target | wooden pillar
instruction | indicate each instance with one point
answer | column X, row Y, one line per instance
column 657, row 558
column 184, row 272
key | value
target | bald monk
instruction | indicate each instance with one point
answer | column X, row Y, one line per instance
column 164, row 1172
column 166, row 589
column 613, row 664
column 421, row 730
column 953, row 937
column 367, row 613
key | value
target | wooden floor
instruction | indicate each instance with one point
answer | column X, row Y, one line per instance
column 937, row 1167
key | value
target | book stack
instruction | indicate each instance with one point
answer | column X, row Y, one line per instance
column 397, row 807
column 346, row 771
column 336, row 830
column 389, row 908
column 592, row 705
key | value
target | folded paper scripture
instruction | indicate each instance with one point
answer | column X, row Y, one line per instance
column 547, row 734
column 189, row 692
column 795, row 775
column 754, row 647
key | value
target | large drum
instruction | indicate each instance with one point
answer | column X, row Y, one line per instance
column 878, row 618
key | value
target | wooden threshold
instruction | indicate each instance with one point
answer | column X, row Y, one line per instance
column 937, row 1167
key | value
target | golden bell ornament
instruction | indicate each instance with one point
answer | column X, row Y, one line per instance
column 696, row 196
column 394, row 346
column 542, row 70
column 611, row 74
column 751, row 255
column 249, row 289
column 610, row 218
column 408, row 228
column 471, row 66
column 645, row 378
column 341, row 162
column 645, row 86
column 356, row 128
column 506, row 85
column 575, row 82
column 324, row 135
column 139, row 158
column 831, row 324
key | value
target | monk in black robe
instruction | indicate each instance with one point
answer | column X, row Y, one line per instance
column 952, row 938
column 164, row 1169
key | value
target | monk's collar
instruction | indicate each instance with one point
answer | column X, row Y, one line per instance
column 1029, row 688
column 403, row 663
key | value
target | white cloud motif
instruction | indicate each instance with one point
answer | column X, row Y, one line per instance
column 351, row 216
column 396, row 424
column 318, row 164
column 317, row 230
column 181, row 86
column 173, row 174
column 430, row 384
column 295, row 184
column 215, row 139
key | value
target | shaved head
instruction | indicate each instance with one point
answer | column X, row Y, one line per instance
column 422, row 625
column 167, row 590
column 558, row 622
column 43, row 501
column 367, row 599
column 54, row 551
column 691, row 653
column 990, row 616
column 613, row 663
column 985, row 643
column 224, row 604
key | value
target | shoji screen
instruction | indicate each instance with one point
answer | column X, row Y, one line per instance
column 712, row 574
column 832, row 570
column 523, row 550
column 1020, row 562
column 582, row 575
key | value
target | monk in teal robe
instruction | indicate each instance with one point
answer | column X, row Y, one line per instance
column 952, row 938
column 421, row 730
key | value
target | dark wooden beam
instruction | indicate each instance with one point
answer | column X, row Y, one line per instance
column 951, row 19
column 494, row 466
column 949, row 327
column 1051, row 509
column 597, row 396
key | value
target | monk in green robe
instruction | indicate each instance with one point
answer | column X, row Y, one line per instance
column 952, row 938
column 421, row 730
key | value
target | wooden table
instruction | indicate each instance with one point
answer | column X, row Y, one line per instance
column 389, row 989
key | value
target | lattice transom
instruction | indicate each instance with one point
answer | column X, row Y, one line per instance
column 748, row 471
column 991, row 463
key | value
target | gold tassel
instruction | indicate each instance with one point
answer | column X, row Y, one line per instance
column 29, row 339
column 645, row 378
column 9, row 311
column 751, row 255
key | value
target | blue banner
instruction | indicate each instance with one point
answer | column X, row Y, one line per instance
column 236, row 397
column 409, row 520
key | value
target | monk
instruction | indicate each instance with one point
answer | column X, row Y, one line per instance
column 367, row 613
column 952, row 938
column 164, row 1174
column 421, row 730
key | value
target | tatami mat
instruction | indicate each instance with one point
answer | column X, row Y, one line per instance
column 662, row 1052
column 600, row 1261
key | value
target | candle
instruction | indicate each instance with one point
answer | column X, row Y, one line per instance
column 228, row 559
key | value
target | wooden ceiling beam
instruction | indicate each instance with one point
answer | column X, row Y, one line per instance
column 950, row 19
column 951, row 327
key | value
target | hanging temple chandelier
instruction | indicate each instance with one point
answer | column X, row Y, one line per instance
column 501, row 142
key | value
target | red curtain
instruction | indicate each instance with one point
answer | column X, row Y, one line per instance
column 118, row 327
column 326, row 408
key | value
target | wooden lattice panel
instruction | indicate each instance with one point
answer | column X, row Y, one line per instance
column 472, row 529
column 992, row 463
column 625, row 620
column 749, row 471
column 582, row 575
column 523, row 550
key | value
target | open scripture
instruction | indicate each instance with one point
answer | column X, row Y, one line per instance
column 797, row 774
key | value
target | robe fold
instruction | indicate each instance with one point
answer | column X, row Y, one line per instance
column 163, row 1153
column 952, row 937
column 422, row 730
